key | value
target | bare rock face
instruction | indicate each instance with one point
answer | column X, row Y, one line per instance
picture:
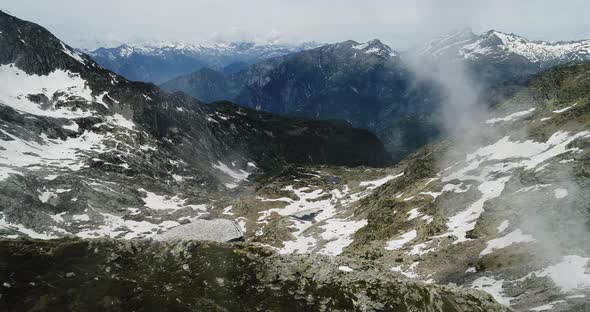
column 216, row 230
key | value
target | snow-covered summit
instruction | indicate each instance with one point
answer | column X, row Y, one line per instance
column 499, row 45
column 375, row 47
column 159, row 62
column 214, row 48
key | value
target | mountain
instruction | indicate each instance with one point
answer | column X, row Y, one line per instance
column 86, row 153
column 501, row 56
column 496, row 45
column 366, row 84
column 115, row 195
column 205, row 84
column 298, row 83
column 161, row 62
column 393, row 94
column 75, row 137
column 504, row 207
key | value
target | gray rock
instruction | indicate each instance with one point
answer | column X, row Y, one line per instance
column 217, row 230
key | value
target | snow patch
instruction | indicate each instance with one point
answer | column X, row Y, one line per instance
column 409, row 273
column 560, row 193
column 413, row 214
column 547, row 307
column 570, row 274
column 510, row 117
column 492, row 287
column 73, row 54
column 344, row 268
column 371, row 185
column 503, row 226
column 164, row 202
column 513, row 237
column 58, row 86
column 338, row 234
column 398, row 243
column 19, row 154
column 563, row 110
column 236, row 175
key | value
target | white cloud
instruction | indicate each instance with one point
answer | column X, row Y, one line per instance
column 399, row 23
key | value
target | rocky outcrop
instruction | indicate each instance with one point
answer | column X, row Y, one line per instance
column 192, row 276
column 215, row 230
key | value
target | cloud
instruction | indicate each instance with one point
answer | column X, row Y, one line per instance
column 399, row 23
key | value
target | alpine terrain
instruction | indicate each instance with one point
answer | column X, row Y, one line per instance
column 105, row 180
column 159, row 62
column 118, row 196
column 365, row 84
column 375, row 87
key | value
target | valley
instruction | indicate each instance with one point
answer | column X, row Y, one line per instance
column 333, row 183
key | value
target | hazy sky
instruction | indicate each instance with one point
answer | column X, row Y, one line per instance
column 84, row 23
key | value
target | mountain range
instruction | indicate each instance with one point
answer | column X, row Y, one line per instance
column 158, row 63
column 87, row 154
column 375, row 87
column 116, row 195
column 365, row 84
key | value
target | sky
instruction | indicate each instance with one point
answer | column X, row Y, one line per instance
column 401, row 24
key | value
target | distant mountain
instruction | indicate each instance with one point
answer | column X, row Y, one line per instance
column 367, row 84
column 499, row 46
column 372, row 86
column 160, row 62
column 496, row 56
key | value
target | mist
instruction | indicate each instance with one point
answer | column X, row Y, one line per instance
column 399, row 23
column 546, row 202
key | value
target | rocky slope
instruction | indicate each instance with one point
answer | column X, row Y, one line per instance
column 506, row 210
column 193, row 276
column 86, row 152
column 161, row 62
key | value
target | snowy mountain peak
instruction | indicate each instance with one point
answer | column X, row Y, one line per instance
column 449, row 42
column 375, row 47
column 34, row 49
column 218, row 48
column 159, row 62
column 498, row 45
